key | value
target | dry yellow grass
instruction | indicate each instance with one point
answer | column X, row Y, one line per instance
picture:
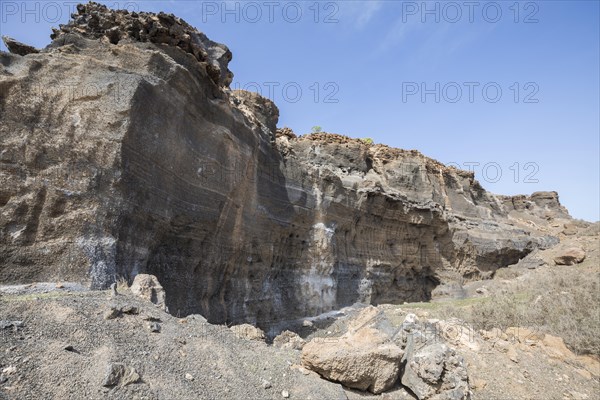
column 564, row 303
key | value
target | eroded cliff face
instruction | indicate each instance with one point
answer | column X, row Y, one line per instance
column 124, row 151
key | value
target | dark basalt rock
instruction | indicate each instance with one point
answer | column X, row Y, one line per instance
column 94, row 20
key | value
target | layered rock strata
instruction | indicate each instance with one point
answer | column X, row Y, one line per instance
column 123, row 151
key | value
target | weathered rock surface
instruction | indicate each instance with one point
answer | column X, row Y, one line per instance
column 541, row 204
column 531, row 261
column 145, row 162
column 149, row 288
column 120, row 374
column 435, row 371
column 94, row 20
column 570, row 256
column 17, row 47
column 364, row 360
column 289, row 340
column 248, row 332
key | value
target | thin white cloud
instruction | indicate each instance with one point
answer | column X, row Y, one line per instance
column 360, row 12
column 398, row 33
column 370, row 9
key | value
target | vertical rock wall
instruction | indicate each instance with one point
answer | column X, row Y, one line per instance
column 124, row 151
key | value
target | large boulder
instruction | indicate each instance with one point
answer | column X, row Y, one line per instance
column 570, row 256
column 435, row 371
column 149, row 288
column 363, row 358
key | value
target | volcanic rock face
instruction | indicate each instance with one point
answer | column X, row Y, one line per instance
column 123, row 152
column 96, row 21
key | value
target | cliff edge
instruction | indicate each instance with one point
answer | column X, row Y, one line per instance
column 124, row 151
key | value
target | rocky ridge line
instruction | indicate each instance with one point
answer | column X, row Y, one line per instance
column 94, row 20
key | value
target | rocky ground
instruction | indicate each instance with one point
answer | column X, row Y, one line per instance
column 64, row 346
column 59, row 340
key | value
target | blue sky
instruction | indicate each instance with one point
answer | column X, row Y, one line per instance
column 508, row 89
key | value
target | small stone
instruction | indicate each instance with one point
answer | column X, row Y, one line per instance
column 70, row 348
column 584, row 373
column 129, row 309
column 479, row 384
column 482, row 290
column 189, row 377
column 304, row 371
column 512, row 355
column 285, row 394
column 11, row 324
column 289, row 340
column 154, row 327
column 112, row 313
column 9, row 370
column 265, row 384
column 113, row 289
column 306, row 323
column 502, row 346
column 151, row 318
column 59, row 285
column 119, row 374
column 248, row 332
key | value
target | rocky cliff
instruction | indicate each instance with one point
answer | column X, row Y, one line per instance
column 123, row 151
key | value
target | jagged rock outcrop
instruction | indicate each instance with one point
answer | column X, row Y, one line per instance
column 544, row 205
column 16, row 47
column 144, row 161
column 94, row 20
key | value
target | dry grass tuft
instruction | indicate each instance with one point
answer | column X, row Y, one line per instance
column 562, row 304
